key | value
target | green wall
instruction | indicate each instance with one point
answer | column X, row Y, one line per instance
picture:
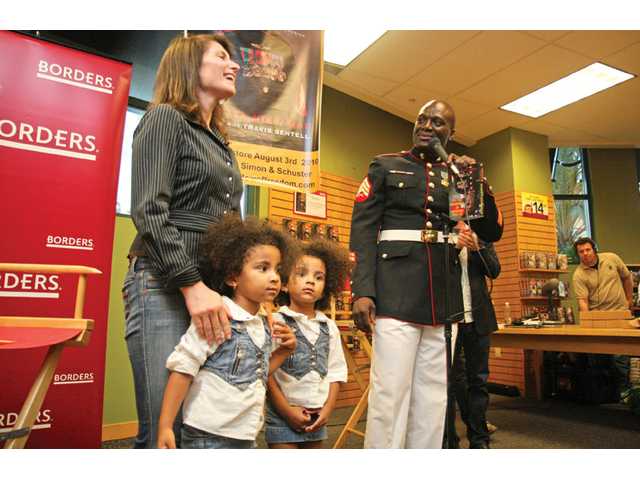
column 531, row 170
column 119, row 401
column 515, row 159
column 616, row 202
column 494, row 152
column 351, row 134
column 616, row 206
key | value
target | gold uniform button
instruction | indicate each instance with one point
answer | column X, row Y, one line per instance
column 429, row 210
column 384, row 255
column 401, row 184
column 431, row 185
column 431, row 174
column 430, row 198
column 429, row 165
column 429, row 224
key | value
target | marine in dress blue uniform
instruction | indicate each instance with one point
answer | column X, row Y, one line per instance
column 398, row 281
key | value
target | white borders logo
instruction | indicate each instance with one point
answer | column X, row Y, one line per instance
column 69, row 243
column 32, row 138
column 74, row 77
column 29, row 285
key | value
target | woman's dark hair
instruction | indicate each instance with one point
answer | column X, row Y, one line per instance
column 178, row 76
column 226, row 244
column 337, row 265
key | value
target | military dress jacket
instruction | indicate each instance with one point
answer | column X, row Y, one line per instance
column 406, row 278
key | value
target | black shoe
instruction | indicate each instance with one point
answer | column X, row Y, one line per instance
column 480, row 445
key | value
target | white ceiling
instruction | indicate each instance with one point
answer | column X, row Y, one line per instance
column 478, row 71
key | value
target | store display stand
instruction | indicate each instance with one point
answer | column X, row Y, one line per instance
column 361, row 406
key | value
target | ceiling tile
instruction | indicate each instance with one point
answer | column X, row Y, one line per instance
column 604, row 112
column 411, row 98
column 467, row 111
column 489, row 123
column 547, row 35
column 400, row 54
column 577, row 138
column 627, row 59
column 531, row 73
column 355, row 91
column 597, row 44
column 558, row 133
column 377, row 86
column 476, row 59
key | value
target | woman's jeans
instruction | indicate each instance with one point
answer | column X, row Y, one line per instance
column 155, row 319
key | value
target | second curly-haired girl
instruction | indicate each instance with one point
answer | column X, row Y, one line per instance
column 303, row 391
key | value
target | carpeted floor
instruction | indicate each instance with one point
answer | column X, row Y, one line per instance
column 524, row 424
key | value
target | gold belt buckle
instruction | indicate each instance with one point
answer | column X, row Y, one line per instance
column 429, row 236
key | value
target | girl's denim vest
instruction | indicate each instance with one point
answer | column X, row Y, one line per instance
column 307, row 356
column 239, row 361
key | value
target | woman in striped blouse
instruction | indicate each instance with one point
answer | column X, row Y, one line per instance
column 184, row 177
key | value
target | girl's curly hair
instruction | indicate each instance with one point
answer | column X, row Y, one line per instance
column 336, row 262
column 226, row 244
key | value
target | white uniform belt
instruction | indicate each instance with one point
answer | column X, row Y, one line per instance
column 428, row 236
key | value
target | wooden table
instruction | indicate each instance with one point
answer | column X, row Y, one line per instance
column 570, row 338
column 565, row 338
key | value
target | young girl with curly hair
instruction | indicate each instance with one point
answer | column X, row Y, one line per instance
column 302, row 392
column 223, row 385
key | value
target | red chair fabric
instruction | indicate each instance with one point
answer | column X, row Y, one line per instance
column 14, row 338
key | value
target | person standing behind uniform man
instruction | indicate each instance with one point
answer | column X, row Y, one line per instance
column 471, row 359
column 603, row 282
column 397, row 225
column 184, row 178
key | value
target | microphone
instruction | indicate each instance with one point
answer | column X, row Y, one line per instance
column 437, row 147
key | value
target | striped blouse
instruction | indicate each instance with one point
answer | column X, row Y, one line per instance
column 184, row 177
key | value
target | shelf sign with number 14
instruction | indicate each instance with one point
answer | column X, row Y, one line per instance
column 535, row 206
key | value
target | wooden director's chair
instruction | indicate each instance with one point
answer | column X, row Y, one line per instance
column 32, row 332
column 348, row 329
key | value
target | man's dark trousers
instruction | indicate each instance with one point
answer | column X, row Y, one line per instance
column 470, row 375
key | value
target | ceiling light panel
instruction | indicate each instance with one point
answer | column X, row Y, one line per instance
column 581, row 84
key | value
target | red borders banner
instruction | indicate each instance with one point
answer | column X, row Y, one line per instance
column 62, row 117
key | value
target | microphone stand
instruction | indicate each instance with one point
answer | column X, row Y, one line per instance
column 450, row 427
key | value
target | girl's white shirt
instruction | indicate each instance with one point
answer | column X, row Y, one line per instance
column 212, row 404
column 312, row 390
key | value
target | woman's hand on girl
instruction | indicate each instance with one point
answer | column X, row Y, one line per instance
column 208, row 312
